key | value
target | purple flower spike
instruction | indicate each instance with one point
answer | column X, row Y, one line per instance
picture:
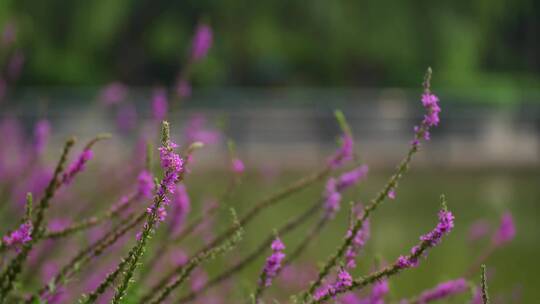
column 334, row 187
column 443, row 290
column 274, row 261
column 431, row 118
column 77, row 166
column 237, row 166
column 392, row 194
column 431, row 239
column 202, row 41
column 358, row 242
column 345, row 152
column 173, row 165
column 159, row 104
column 506, row 231
column 145, row 183
column 349, row 179
column 379, row 290
column 343, row 281
column 20, row 236
column 332, row 197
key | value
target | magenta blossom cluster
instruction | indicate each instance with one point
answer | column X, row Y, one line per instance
column 343, row 281
column 202, row 42
column 145, row 184
column 506, row 231
column 273, row 262
column 173, row 165
column 358, row 242
column 378, row 292
column 77, row 166
column 431, row 239
column 443, row 290
column 344, row 153
column 334, row 187
column 350, row 178
column 20, row 236
column 431, row 118
column 237, row 166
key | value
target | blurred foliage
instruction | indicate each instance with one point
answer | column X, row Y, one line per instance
column 487, row 44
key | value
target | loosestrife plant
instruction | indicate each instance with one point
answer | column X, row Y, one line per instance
column 155, row 223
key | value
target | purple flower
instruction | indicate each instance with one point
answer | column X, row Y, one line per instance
column 113, row 93
column 506, row 231
column 350, row 178
column 179, row 257
column 77, row 166
column 379, row 290
column 183, row 88
column 431, row 103
column 198, row 280
column 431, row 239
column 334, row 187
column 42, row 130
column 237, row 166
column 202, row 41
column 477, row 296
column 145, row 184
column 343, row 281
column 159, row 104
column 20, row 236
column 332, row 197
column 431, row 118
column 345, row 152
column 173, row 165
column 126, row 117
column 358, row 242
column 392, row 194
column 443, row 290
column 274, row 261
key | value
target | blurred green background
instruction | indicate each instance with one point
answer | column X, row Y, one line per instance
column 475, row 45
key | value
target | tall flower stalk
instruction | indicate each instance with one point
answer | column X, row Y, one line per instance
column 427, row 241
column 421, row 131
column 14, row 268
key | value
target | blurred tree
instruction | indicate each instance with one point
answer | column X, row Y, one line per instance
column 485, row 44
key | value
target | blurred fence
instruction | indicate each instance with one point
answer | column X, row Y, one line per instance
column 296, row 127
